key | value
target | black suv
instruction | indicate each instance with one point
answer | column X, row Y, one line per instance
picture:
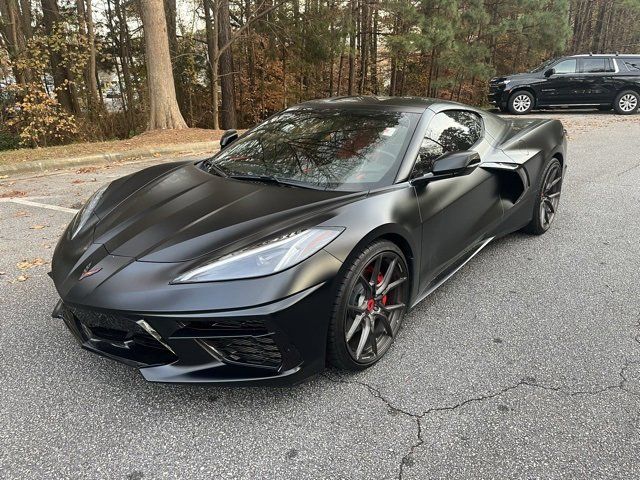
column 603, row 81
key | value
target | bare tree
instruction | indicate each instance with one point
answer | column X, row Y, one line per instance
column 163, row 106
column 85, row 22
column 220, row 38
column 15, row 28
column 226, row 68
column 62, row 77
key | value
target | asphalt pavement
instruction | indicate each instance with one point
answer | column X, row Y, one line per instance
column 526, row 364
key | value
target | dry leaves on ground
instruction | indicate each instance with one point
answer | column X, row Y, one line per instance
column 13, row 193
column 27, row 264
column 37, row 227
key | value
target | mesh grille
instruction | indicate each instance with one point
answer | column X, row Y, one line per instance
column 119, row 336
column 259, row 351
column 224, row 326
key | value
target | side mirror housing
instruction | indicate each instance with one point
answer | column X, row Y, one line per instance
column 450, row 165
column 228, row 138
column 550, row 72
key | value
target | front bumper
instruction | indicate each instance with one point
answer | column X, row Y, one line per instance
column 498, row 95
column 279, row 343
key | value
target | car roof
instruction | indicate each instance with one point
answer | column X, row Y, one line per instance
column 605, row 55
column 408, row 104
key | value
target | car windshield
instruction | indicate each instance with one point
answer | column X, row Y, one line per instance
column 543, row 66
column 321, row 148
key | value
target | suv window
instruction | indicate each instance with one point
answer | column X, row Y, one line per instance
column 450, row 131
column 632, row 64
column 595, row 65
column 566, row 66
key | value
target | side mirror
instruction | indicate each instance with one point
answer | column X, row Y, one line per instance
column 450, row 165
column 228, row 138
column 550, row 72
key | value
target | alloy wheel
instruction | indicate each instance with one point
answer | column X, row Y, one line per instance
column 375, row 307
column 550, row 196
column 628, row 102
column 522, row 103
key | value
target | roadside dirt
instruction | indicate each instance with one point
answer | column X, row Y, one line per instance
column 148, row 139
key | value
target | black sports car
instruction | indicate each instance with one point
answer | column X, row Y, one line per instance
column 303, row 241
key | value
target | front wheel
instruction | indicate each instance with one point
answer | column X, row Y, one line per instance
column 521, row 103
column 547, row 199
column 370, row 304
column 627, row 102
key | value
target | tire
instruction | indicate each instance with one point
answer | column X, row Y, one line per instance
column 521, row 102
column 548, row 197
column 627, row 102
column 355, row 300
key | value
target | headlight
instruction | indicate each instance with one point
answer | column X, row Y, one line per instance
column 85, row 212
column 264, row 259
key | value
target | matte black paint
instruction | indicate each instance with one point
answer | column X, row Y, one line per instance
column 156, row 224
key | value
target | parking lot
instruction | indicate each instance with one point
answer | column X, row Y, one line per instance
column 526, row 364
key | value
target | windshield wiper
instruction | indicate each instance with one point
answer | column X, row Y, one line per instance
column 211, row 167
column 273, row 180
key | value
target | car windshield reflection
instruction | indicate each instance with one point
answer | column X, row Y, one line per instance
column 336, row 149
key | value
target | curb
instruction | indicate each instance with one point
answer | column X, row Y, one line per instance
column 102, row 158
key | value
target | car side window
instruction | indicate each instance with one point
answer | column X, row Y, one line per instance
column 565, row 66
column 594, row 65
column 449, row 131
column 632, row 64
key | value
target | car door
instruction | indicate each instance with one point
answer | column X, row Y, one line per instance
column 561, row 86
column 458, row 212
column 596, row 76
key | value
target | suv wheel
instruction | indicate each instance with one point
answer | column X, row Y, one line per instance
column 627, row 102
column 521, row 103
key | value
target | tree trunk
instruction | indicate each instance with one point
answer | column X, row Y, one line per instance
column 374, row 52
column 211, row 21
column 62, row 78
column 163, row 106
column 352, row 45
column 85, row 21
column 93, row 73
column 15, row 26
column 226, row 67
column 172, row 34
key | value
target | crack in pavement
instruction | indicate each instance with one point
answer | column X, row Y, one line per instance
column 524, row 382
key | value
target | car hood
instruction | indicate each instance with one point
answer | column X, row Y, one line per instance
column 184, row 213
column 514, row 77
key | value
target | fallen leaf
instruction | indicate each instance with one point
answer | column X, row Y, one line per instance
column 37, row 227
column 77, row 181
column 87, row 170
column 26, row 264
column 22, row 278
column 3, row 273
column 13, row 193
column 21, row 213
column 2, row 177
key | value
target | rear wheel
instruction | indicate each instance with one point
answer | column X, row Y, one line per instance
column 627, row 102
column 521, row 103
column 547, row 199
column 370, row 306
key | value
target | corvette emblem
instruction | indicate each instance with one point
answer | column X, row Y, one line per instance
column 88, row 271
